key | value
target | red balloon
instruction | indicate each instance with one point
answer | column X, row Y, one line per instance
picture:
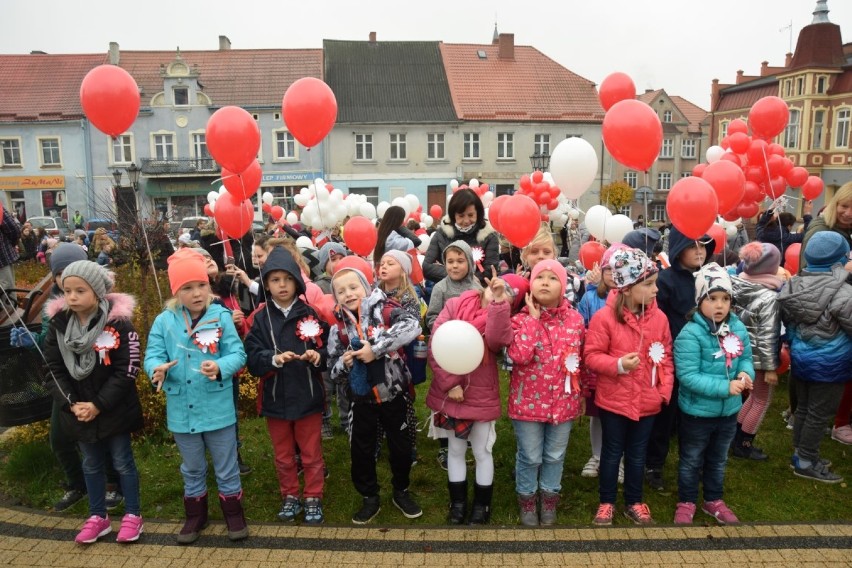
column 784, row 358
column 357, row 263
column 692, row 206
column 731, row 215
column 757, row 152
column 776, row 149
column 787, row 166
column 797, row 176
column 245, row 184
column 737, row 126
column 519, row 220
column 812, row 187
column 208, row 210
column 615, row 88
column 698, row 169
column 436, row 212
column 791, row 257
column 537, row 177
column 752, row 192
column 776, row 165
column 234, row 215
column 266, row 207
column 310, row 110
column 755, row 174
column 591, row 253
column 747, row 210
column 110, row 99
column 725, row 143
column 776, row 187
column 276, row 212
column 733, row 158
column 728, row 181
column 233, row 138
column 633, row 134
column 525, row 183
column 494, row 211
column 740, row 142
column 768, row 117
column 717, row 233
column 360, row 235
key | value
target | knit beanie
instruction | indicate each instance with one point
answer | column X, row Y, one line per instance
column 518, row 288
column 607, row 255
column 825, row 249
column 357, row 272
column 186, row 265
column 555, row 268
column 326, row 250
column 99, row 278
column 712, row 278
column 629, row 266
column 760, row 258
column 402, row 258
column 643, row 239
column 64, row 254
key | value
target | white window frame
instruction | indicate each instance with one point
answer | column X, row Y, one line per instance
column 398, row 146
column 685, row 174
column 40, row 140
column 472, row 146
column 824, row 89
column 791, row 131
column 288, row 141
column 687, row 148
column 194, row 145
column 364, row 141
column 667, row 148
column 723, row 129
column 372, row 193
column 126, row 141
column 174, row 96
column 155, row 144
column 505, row 146
column 788, row 88
column 541, row 144
column 20, row 162
column 841, row 127
column 664, row 181
column 667, row 116
column 626, row 210
column 435, row 146
column 658, row 212
column 800, row 86
column 631, row 178
column 817, row 142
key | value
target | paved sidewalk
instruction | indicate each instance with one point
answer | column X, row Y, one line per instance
column 32, row 538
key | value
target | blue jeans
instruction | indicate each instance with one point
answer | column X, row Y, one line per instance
column 704, row 444
column 94, row 472
column 541, row 446
column 222, row 444
column 623, row 436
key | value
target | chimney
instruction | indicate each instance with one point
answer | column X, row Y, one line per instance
column 788, row 60
column 649, row 91
column 506, row 46
column 372, row 37
column 114, row 53
column 224, row 43
column 740, row 74
column 714, row 95
column 764, row 68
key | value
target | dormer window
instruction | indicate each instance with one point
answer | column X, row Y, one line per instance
column 181, row 96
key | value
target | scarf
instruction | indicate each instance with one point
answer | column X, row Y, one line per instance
column 767, row 280
column 76, row 343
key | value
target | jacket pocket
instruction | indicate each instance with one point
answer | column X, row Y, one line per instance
column 172, row 390
column 216, row 386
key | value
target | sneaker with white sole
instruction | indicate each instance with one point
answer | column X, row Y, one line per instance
column 720, row 511
column 69, row 499
column 94, row 528
column 816, row 472
column 131, row 528
column 591, row 468
column 842, row 435
column 113, row 499
column 405, row 503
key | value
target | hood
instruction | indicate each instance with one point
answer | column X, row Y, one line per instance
column 281, row 259
column 468, row 253
column 678, row 243
column 805, row 298
column 120, row 306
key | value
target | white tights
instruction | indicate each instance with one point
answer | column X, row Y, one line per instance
column 478, row 438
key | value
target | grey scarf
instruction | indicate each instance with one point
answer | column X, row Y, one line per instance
column 77, row 342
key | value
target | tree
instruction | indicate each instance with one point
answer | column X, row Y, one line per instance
column 616, row 195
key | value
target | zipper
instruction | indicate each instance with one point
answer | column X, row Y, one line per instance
column 520, row 392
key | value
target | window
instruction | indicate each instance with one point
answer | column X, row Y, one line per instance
column 841, row 140
column 791, row 133
column 276, row 116
column 181, row 96
column 505, row 146
column 819, row 120
column 285, row 146
column 685, row 174
column 364, row 147
column 372, row 193
column 667, row 116
column 625, row 210
column 435, row 146
column 49, row 148
column 667, row 151
column 199, row 145
column 723, row 129
column 821, row 84
column 658, row 212
column 788, row 88
column 11, row 152
column 471, row 146
column 122, row 149
column 664, row 180
column 687, row 148
column 631, row 179
column 397, row 147
column 800, row 86
column 541, row 144
column 164, row 146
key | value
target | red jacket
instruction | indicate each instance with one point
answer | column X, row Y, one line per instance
column 537, row 390
column 630, row 394
column 482, row 386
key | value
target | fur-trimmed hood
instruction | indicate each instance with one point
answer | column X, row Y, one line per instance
column 449, row 229
column 120, row 306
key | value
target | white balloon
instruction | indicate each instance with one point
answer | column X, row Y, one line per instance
column 714, row 153
column 616, row 227
column 212, row 206
column 427, row 220
column 222, row 190
column 305, row 243
column 267, row 198
column 573, row 165
column 596, row 219
column 212, row 197
column 319, row 182
column 402, row 202
column 336, row 194
column 292, row 218
column 424, row 243
column 574, row 213
column 306, row 191
column 413, row 202
column 322, row 193
column 454, row 183
column 368, row 210
column 487, row 198
column 382, row 207
column 301, row 200
column 457, row 347
column 473, row 184
column 731, row 230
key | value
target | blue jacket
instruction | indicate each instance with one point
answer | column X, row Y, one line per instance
column 194, row 403
column 700, row 366
column 590, row 303
column 676, row 284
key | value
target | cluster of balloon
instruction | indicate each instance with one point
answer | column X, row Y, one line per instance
column 480, row 189
column 604, row 226
column 110, row 99
column 632, row 131
column 517, row 217
column 234, row 215
column 275, row 211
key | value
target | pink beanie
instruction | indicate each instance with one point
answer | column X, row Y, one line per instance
column 555, row 268
column 186, row 265
column 520, row 287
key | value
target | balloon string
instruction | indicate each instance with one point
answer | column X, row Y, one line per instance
column 151, row 260
column 316, row 189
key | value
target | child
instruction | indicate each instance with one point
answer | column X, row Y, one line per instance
column 329, row 255
column 756, row 291
column 629, row 348
column 193, row 352
column 105, row 256
column 363, row 350
column 817, row 310
column 544, row 394
column 93, row 353
column 285, row 345
column 542, row 247
column 713, row 362
column 465, row 408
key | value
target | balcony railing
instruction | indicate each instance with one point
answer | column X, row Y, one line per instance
column 204, row 166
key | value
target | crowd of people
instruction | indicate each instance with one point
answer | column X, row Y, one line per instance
column 646, row 347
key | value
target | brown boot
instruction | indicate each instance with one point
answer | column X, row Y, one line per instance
column 232, row 509
column 549, row 502
column 527, row 504
column 196, row 519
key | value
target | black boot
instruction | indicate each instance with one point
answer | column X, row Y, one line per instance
column 480, row 514
column 737, row 442
column 747, row 450
column 196, row 519
column 232, row 509
column 458, row 501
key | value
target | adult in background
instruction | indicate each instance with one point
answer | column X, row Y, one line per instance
column 465, row 221
column 10, row 234
column 392, row 234
column 773, row 227
column 28, row 246
column 77, row 220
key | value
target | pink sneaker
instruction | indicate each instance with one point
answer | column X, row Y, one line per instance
column 720, row 511
column 94, row 528
column 684, row 513
column 842, row 434
column 131, row 528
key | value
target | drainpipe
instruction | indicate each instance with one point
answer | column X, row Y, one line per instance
column 90, row 188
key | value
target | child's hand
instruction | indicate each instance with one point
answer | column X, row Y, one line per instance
column 630, row 361
column 593, row 276
column 771, row 378
column 285, row 357
column 497, row 286
column 85, row 411
column 456, row 394
column 365, row 354
column 533, row 307
column 160, row 373
column 348, row 358
column 311, row 357
column 748, row 384
column 210, row 369
column 239, row 317
column 736, row 387
column 238, row 273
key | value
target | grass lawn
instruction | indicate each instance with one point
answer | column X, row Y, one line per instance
column 756, row 491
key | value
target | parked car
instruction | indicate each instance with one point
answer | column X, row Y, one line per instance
column 94, row 224
column 187, row 225
column 55, row 227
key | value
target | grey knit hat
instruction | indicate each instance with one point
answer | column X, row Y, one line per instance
column 95, row 275
column 63, row 255
column 326, row 250
column 403, row 259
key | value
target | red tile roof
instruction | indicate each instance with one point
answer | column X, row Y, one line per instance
column 693, row 113
column 743, row 97
column 648, row 96
column 529, row 87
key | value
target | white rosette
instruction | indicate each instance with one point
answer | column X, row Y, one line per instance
column 207, row 338
column 572, row 366
column 656, row 353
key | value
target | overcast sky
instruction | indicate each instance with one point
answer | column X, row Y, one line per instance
column 677, row 45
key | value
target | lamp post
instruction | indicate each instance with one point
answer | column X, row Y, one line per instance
column 125, row 196
column 540, row 162
column 133, row 175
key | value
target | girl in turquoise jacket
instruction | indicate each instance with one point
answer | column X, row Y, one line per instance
column 713, row 362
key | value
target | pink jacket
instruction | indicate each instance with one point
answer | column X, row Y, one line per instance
column 630, row 394
column 482, row 386
column 541, row 347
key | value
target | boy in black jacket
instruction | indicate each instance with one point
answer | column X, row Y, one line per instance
column 286, row 347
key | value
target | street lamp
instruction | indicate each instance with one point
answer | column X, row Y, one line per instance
column 133, row 175
column 116, row 176
column 540, row 162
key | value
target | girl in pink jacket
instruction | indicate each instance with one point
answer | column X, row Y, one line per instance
column 466, row 407
column 544, row 395
column 629, row 347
